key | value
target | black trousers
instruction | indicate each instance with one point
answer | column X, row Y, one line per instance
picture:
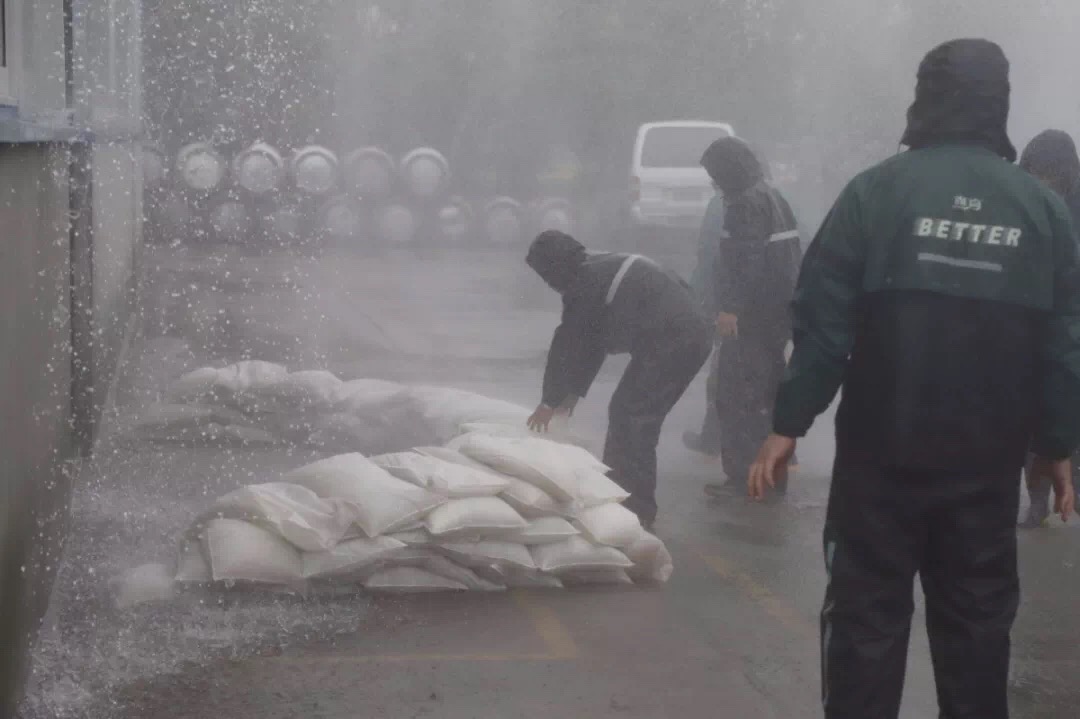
column 656, row 378
column 749, row 370
column 958, row 533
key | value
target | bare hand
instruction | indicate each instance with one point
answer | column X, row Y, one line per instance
column 727, row 325
column 541, row 418
column 1059, row 472
column 771, row 465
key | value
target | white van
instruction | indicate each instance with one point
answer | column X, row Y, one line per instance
column 668, row 186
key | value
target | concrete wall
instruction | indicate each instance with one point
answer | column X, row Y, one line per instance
column 35, row 354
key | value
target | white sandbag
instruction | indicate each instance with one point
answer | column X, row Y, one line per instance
column 291, row 511
column 569, row 474
column 528, row 500
column 429, row 560
column 164, row 417
column 361, row 396
column 194, row 386
column 409, row 580
column 241, row 551
column 345, row 432
column 378, row 502
column 148, row 583
column 305, row 390
column 609, row 575
column 245, row 435
column 611, row 524
column 453, row 456
column 577, row 553
column 559, row 431
column 545, row 530
column 531, row 501
column 474, row 516
column 413, row 537
column 651, row 558
column 248, row 376
column 515, row 578
column 446, row 478
column 445, row 410
column 191, row 564
column 351, row 558
column 488, row 553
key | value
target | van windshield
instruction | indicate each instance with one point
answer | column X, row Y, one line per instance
column 678, row 146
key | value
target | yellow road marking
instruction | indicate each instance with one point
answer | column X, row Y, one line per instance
column 771, row 604
column 556, row 636
column 558, row 643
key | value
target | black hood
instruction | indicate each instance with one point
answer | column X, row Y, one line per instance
column 556, row 257
column 1052, row 156
column 962, row 97
column 732, row 165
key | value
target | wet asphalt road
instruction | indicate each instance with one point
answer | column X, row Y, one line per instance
column 733, row 634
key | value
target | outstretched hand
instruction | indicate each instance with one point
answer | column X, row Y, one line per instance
column 540, row 420
column 771, row 465
column 1059, row 472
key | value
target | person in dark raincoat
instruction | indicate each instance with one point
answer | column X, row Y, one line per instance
column 1052, row 158
column 943, row 293
column 754, row 278
column 617, row 304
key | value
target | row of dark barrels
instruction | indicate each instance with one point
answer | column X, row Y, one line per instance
column 366, row 196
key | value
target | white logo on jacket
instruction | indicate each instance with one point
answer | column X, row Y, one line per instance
column 967, row 204
column 967, row 232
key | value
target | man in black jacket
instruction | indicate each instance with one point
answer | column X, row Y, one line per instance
column 755, row 272
column 1052, row 158
column 943, row 293
column 617, row 304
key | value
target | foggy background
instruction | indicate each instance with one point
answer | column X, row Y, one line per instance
column 528, row 97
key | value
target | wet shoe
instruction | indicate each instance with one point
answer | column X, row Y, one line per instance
column 730, row 488
column 696, row 443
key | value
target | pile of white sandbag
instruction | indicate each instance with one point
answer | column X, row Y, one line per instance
column 261, row 402
column 490, row 513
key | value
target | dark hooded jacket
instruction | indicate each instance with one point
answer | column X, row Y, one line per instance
column 943, row 292
column 759, row 250
column 651, row 310
column 1052, row 156
column 962, row 98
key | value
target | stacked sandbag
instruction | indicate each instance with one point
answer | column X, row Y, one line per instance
column 556, row 479
column 262, row 402
column 500, row 512
column 255, row 401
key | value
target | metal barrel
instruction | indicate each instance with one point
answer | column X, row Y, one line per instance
column 339, row 218
column 368, row 172
column 397, row 224
column 201, row 167
column 259, row 169
column 283, row 224
column 504, row 222
column 314, row 170
column 551, row 213
column 231, row 221
column 455, row 220
column 425, row 173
